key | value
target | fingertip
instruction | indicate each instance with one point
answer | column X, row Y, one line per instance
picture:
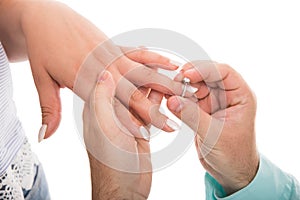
column 188, row 73
column 172, row 67
column 193, row 74
column 172, row 124
column 175, row 63
column 105, row 85
column 174, row 104
column 42, row 132
column 179, row 77
column 50, row 127
column 103, row 77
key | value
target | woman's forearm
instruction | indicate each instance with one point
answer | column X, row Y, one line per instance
column 11, row 34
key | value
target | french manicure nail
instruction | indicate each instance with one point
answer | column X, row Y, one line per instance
column 191, row 89
column 42, row 132
column 176, row 63
column 172, row 124
column 144, row 132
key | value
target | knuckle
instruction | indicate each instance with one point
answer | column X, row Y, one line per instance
column 225, row 66
column 141, row 54
column 147, row 73
column 49, row 111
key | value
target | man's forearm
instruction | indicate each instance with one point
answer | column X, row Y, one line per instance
column 102, row 187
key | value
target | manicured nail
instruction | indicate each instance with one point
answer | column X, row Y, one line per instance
column 144, row 132
column 176, row 63
column 175, row 105
column 103, row 76
column 191, row 89
column 172, row 124
column 179, row 76
column 42, row 132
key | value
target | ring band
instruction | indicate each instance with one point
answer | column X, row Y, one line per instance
column 186, row 83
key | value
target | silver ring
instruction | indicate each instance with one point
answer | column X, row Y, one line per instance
column 186, row 83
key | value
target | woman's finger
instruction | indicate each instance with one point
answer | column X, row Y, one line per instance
column 144, row 56
column 132, row 125
column 130, row 96
column 144, row 76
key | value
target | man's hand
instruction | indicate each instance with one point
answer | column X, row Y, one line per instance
column 223, row 119
column 120, row 162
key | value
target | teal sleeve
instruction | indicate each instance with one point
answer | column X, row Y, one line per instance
column 270, row 183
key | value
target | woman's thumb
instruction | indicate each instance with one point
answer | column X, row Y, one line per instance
column 49, row 97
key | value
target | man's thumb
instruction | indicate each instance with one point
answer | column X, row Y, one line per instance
column 49, row 97
column 190, row 113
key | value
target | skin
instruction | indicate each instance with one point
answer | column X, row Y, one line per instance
column 64, row 49
column 120, row 162
column 58, row 43
column 223, row 120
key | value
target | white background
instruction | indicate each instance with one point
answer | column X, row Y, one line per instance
column 260, row 39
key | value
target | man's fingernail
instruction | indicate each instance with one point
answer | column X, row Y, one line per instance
column 191, row 89
column 176, row 63
column 42, row 132
column 103, row 76
column 175, row 104
column 144, row 132
column 172, row 124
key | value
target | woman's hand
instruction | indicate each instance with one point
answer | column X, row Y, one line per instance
column 66, row 50
column 223, row 119
column 120, row 161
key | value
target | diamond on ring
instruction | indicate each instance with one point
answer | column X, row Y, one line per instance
column 186, row 82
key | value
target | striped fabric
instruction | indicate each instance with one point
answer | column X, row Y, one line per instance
column 11, row 132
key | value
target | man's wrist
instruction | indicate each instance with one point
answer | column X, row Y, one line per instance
column 269, row 181
column 243, row 178
column 106, row 183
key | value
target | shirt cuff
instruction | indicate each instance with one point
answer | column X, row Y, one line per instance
column 269, row 183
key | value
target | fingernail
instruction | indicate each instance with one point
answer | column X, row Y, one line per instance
column 191, row 89
column 175, row 105
column 144, row 132
column 176, row 63
column 103, row 76
column 179, row 76
column 172, row 124
column 42, row 132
